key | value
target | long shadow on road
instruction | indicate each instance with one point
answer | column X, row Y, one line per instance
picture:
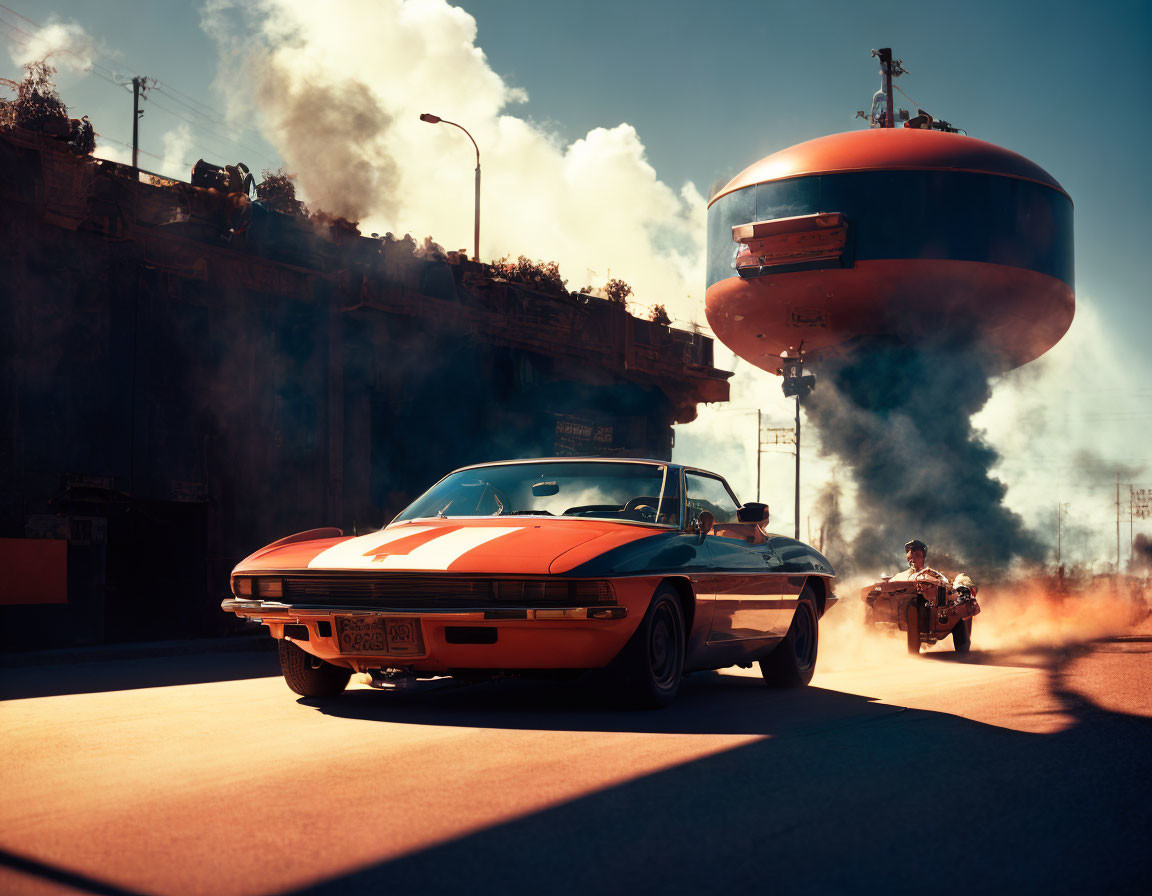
column 709, row 703
column 143, row 672
column 841, row 794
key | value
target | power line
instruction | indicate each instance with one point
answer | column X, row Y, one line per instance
column 157, row 88
column 214, row 133
column 27, row 34
column 194, row 106
column 210, row 130
column 162, row 85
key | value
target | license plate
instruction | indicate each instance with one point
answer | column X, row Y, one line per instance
column 380, row 634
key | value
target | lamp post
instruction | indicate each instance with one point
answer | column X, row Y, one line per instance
column 435, row 119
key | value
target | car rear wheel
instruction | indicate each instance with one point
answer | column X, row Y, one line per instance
column 792, row 663
column 962, row 636
column 310, row 676
column 652, row 663
column 912, row 620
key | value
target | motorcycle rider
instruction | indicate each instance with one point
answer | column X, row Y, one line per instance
column 917, row 553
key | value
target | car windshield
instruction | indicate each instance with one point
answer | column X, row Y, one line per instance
column 633, row 492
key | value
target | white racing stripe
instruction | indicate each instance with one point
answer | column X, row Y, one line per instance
column 350, row 554
column 442, row 552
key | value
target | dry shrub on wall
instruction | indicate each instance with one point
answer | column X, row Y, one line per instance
column 278, row 193
column 38, row 107
column 539, row 275
column 617, row 290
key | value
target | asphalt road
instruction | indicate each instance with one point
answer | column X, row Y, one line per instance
column 1017, row 771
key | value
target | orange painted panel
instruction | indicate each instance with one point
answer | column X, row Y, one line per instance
column 889, row 149
column 1019, row 314
column 33, row 571
column 517, row 546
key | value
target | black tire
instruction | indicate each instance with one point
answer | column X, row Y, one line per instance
column 962, row 636
column 912, row 620
column 310, row 676
column 651, row 665
column 792, row 662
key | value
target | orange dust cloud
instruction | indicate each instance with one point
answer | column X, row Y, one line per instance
column 1033, row 614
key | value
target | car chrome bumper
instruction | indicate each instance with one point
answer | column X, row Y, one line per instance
column 266, row 609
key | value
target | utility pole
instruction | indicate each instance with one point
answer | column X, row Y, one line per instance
column 795, row 383
column 773, row 435
column 797, row 536
column 139, row 85
column 759, row 448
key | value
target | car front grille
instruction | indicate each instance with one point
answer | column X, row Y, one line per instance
column 440, row 591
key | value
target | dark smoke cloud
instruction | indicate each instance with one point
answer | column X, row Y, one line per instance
column 1091, row 465
column 830, row 538
column 330, row 132
column 900, row 418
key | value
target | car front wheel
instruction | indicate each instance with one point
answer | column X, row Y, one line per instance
column 652, row 663
column 310, row 676
column 792, row 662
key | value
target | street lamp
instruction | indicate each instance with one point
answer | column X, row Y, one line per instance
column 435, row 119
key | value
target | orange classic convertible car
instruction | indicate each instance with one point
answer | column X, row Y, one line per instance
column 645, row 568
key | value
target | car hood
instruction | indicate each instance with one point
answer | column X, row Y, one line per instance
column 497, row 545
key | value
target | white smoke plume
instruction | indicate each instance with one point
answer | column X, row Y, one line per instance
column 61, row 44
column 338, row 89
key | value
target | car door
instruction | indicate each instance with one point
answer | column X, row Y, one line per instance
column 748, row 596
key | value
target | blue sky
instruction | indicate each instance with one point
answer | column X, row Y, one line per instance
column 675, row 92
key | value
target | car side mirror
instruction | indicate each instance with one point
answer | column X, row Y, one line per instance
column 753, row 512
column 704, row 523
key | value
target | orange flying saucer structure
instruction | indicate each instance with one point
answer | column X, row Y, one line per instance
column 894, row 233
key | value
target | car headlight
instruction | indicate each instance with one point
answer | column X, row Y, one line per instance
column 242, row 586
column 268, row 589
